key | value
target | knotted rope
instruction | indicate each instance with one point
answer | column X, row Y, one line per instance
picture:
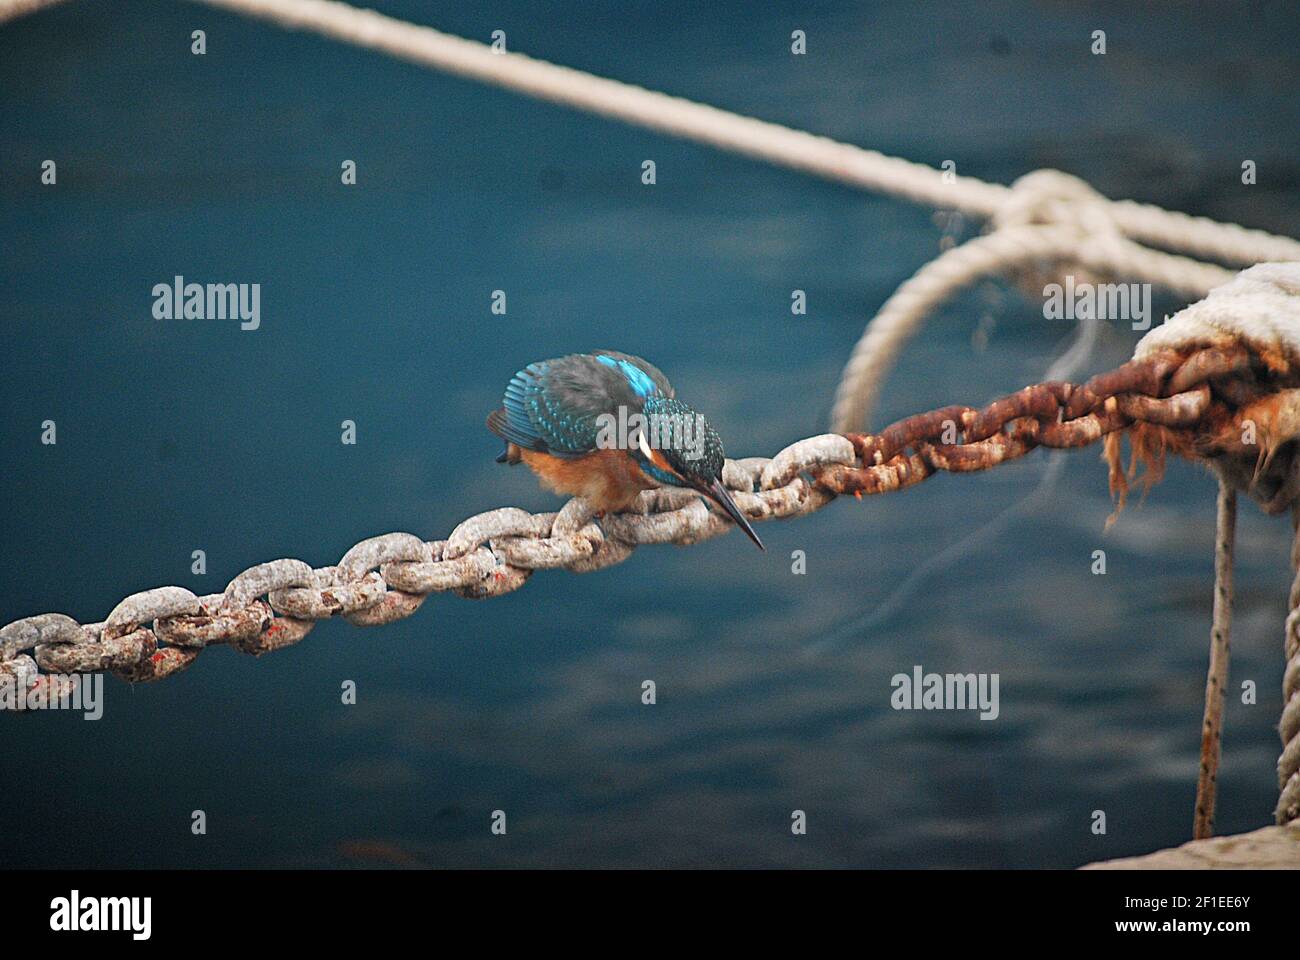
column 1048, row 218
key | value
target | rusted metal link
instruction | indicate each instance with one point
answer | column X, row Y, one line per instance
column 898, row 473
column 1054, row 414
column 30, row 632
column 897, row 437
column 264, row 578
column 394, row 605
column 1086, row 430
column 1036, row 413
column 433, row 572
column 1180, row 410
column 332, row 595
column 20, row 670
column 159, row 665
column 107, row 653
column 1146, row 376
column 34, row 687
column 279, row 632
column 503, row 579
column 149, row 605
column 1207, row 364
column 803, row 456
column 1042, row 401
column 980, row 455
column 214, row 624
column 376, row 551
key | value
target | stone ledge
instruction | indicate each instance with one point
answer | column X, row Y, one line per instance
column 1270, row 848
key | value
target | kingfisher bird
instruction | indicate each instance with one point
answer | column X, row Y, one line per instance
column 605, row 426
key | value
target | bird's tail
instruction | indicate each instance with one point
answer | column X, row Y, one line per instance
column 496, row 422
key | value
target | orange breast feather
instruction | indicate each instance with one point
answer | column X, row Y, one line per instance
column 610, row 479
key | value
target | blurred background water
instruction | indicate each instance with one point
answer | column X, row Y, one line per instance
column 176, row 436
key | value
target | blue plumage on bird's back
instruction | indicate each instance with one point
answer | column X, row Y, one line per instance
column 641, row 382
column 555, row 417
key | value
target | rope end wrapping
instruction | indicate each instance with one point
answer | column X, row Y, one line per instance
column 1246, row 340
column 1258, row 308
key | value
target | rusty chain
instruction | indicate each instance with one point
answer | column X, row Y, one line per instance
column 159, row 632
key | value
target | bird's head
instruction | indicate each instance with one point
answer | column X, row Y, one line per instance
column 679, row 448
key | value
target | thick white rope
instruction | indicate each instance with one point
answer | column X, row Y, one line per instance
column 676, row 116
column 770, row 142
column 1228, row 243
column 1260, row 307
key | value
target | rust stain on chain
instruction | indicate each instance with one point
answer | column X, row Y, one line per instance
column 1214, row 402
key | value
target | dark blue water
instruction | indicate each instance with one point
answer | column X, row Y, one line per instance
column 175, row 436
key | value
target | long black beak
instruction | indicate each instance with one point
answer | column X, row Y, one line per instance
column 718, row 493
